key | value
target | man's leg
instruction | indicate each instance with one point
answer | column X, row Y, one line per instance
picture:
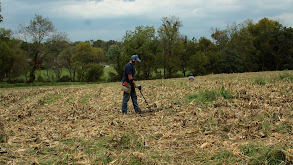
column 126, row 97
column 134, row 101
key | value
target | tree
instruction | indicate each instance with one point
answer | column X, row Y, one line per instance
column 263, row 36
column 12, row 58
column 19, row 65
column 66, row 58
column 170, row 37
column 221, row 38
column 1, row 18
column 114, row 57
column 205, row 45
column 5, row 60
column 94, row 73
column 140, row 41
column 37, row 31
column 53, row 61
column 84, row 57
column 198, row 63
column 282, row 48
column 242, row 42
column 113, row 52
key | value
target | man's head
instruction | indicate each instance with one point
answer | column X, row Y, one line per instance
column 134, row 59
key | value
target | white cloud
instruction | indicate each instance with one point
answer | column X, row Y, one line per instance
column 285, row 19
column 101, row 9
column 82, row 17
column 91, row 9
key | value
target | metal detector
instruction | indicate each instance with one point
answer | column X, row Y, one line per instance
column 150, row 110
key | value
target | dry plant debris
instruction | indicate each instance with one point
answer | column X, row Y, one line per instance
column 84, row 125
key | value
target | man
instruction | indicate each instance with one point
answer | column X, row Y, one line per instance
column 129, row 85
column 191, row 77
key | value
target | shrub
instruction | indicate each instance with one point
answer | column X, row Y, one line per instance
column 113, row 77
column 19, row 80
column 40, row 79
column 64, row 79
column 94, row 73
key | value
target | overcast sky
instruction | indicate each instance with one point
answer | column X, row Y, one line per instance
column 109, row 19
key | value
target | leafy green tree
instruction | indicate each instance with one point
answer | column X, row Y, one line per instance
column 263, row 36
column 53, row 61
column 205, row 45
column 198, row 63
column 37, row 31
column 282, row 48
column 182, row 53
column 94, row 73
column 114, row 57
column 104, row 44
column 12, row 59
column 242, row 41
column 113, row 53
column 19, row 66
column 5, row 60
column 66, row 58
column 191, row 48
column 140, row 41
column 210, row 57
column 84, row 57
column 169, row 36
column 221, row 38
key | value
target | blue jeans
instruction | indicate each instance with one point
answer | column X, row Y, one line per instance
column 126, row 97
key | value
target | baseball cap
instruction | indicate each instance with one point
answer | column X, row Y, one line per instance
column 135, row 57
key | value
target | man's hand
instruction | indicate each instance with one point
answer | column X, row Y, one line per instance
column 138, row 86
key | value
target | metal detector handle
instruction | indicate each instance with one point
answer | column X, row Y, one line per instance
column 144, row 99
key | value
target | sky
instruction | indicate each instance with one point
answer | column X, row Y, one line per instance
column 84, row 20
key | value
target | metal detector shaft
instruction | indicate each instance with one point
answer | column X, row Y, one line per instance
column 145, row 100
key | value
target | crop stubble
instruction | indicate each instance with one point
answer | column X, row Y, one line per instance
column 39, row 122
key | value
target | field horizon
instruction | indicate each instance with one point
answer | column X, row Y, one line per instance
column 241, row 118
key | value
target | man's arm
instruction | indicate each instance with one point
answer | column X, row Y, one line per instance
column 131, row 78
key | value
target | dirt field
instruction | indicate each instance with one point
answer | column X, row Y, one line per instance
column 217, row 119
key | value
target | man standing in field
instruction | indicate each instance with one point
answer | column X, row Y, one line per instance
column 129, row 85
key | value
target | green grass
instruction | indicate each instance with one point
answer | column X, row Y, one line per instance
column 2, row 138
column 286, row 75
column 48, row 78
column 205, row 96
column 259, row 154
column 260, row 81
column 223, row 157
column 52, row 98
column 85, row 99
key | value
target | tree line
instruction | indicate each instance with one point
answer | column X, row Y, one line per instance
column 246, row 47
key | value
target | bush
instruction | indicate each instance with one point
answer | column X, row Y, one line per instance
column 64, row 79
column 113, row 77
column 16, row 81
column 94, row 73
column 40, row 79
